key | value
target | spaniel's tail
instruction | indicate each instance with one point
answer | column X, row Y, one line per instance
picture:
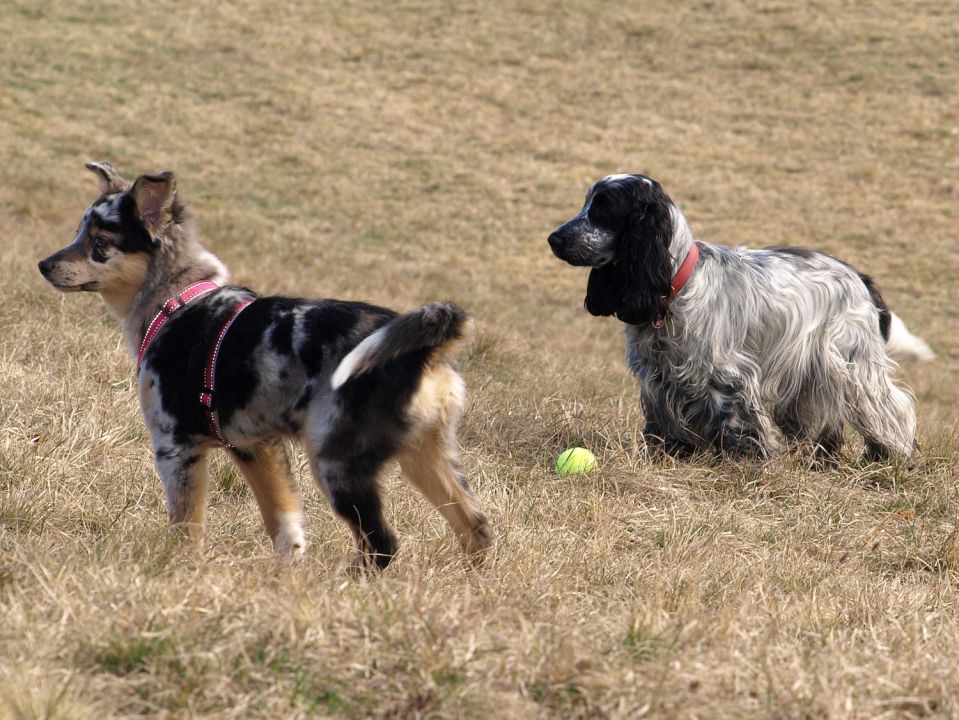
column 903, row 345
column 900, row 343
column 437, row 326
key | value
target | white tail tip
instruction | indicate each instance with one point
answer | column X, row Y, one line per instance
column 356, row 361
column 903, row 345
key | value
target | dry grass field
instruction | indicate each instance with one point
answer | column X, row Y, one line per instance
column 403, row 151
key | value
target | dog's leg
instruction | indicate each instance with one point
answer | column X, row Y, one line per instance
column 828, row 446
column 872, row 403
column 353, row 489
column 183, row 470
column 881, row 412
column 727, row 414
column 811, row 419
column 659, row 432
column 658, row 441
column 267, row 470
column 432, row 465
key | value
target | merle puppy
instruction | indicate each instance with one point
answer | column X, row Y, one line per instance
column 358, row 384
column 729, row 344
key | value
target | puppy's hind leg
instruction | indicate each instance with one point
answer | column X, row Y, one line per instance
column 183, row 470
column 432, row 465
column 353, row 489
column 267, row 470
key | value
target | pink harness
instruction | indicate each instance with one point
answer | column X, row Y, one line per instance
column 209, row 373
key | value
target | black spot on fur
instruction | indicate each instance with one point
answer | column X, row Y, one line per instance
column 305, row 397
column 885, row 317
column 133, row 236
column 165, row 453
column 332, row 328
column 281, row 338
column 244, row 455
column 291, row 422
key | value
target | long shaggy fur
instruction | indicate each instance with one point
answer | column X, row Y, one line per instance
column 757, row 340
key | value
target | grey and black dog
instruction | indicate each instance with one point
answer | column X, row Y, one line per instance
column 358, row 384
column 754, row 340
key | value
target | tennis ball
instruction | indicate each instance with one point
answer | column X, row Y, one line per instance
column 575, row 461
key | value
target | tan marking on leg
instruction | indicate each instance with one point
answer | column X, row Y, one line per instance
column 438, row 400
column 432, row 465
column 270, row 478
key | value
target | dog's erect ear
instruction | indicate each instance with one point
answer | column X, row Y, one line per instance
column 646, row 265
column 110, row 180
column 154, row 196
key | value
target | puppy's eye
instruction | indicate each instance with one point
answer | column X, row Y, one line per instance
column 99, row 252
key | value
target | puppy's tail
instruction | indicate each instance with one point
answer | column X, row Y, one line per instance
column 435, row 325
column 903, row 345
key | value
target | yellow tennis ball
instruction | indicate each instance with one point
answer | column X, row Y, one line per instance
column 575, row 461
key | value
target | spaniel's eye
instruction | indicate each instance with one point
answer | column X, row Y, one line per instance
column 100, row 244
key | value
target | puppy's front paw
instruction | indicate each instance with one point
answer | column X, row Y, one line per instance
column 290, row 542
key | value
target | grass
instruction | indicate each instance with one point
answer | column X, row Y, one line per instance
column 399, row 152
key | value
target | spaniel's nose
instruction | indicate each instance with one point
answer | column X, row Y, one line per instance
column 45, row 267
column 554, row 240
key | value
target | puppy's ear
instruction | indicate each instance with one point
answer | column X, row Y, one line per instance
column 154, row 196
column 110, row 180
column 605, row 290
column 646, row 266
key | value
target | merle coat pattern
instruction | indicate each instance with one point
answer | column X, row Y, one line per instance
column 359, row 385
column 757, row 340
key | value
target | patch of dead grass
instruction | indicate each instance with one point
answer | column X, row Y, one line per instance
column 398, row 152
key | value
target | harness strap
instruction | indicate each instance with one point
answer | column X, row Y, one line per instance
column 170, row 306
column 209, row 374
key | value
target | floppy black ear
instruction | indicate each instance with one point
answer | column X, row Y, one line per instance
column 605, row 289
column 645, row 263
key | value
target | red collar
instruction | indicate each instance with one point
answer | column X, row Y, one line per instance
column 680, row 279
column 684, row 273
column 169, row 307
